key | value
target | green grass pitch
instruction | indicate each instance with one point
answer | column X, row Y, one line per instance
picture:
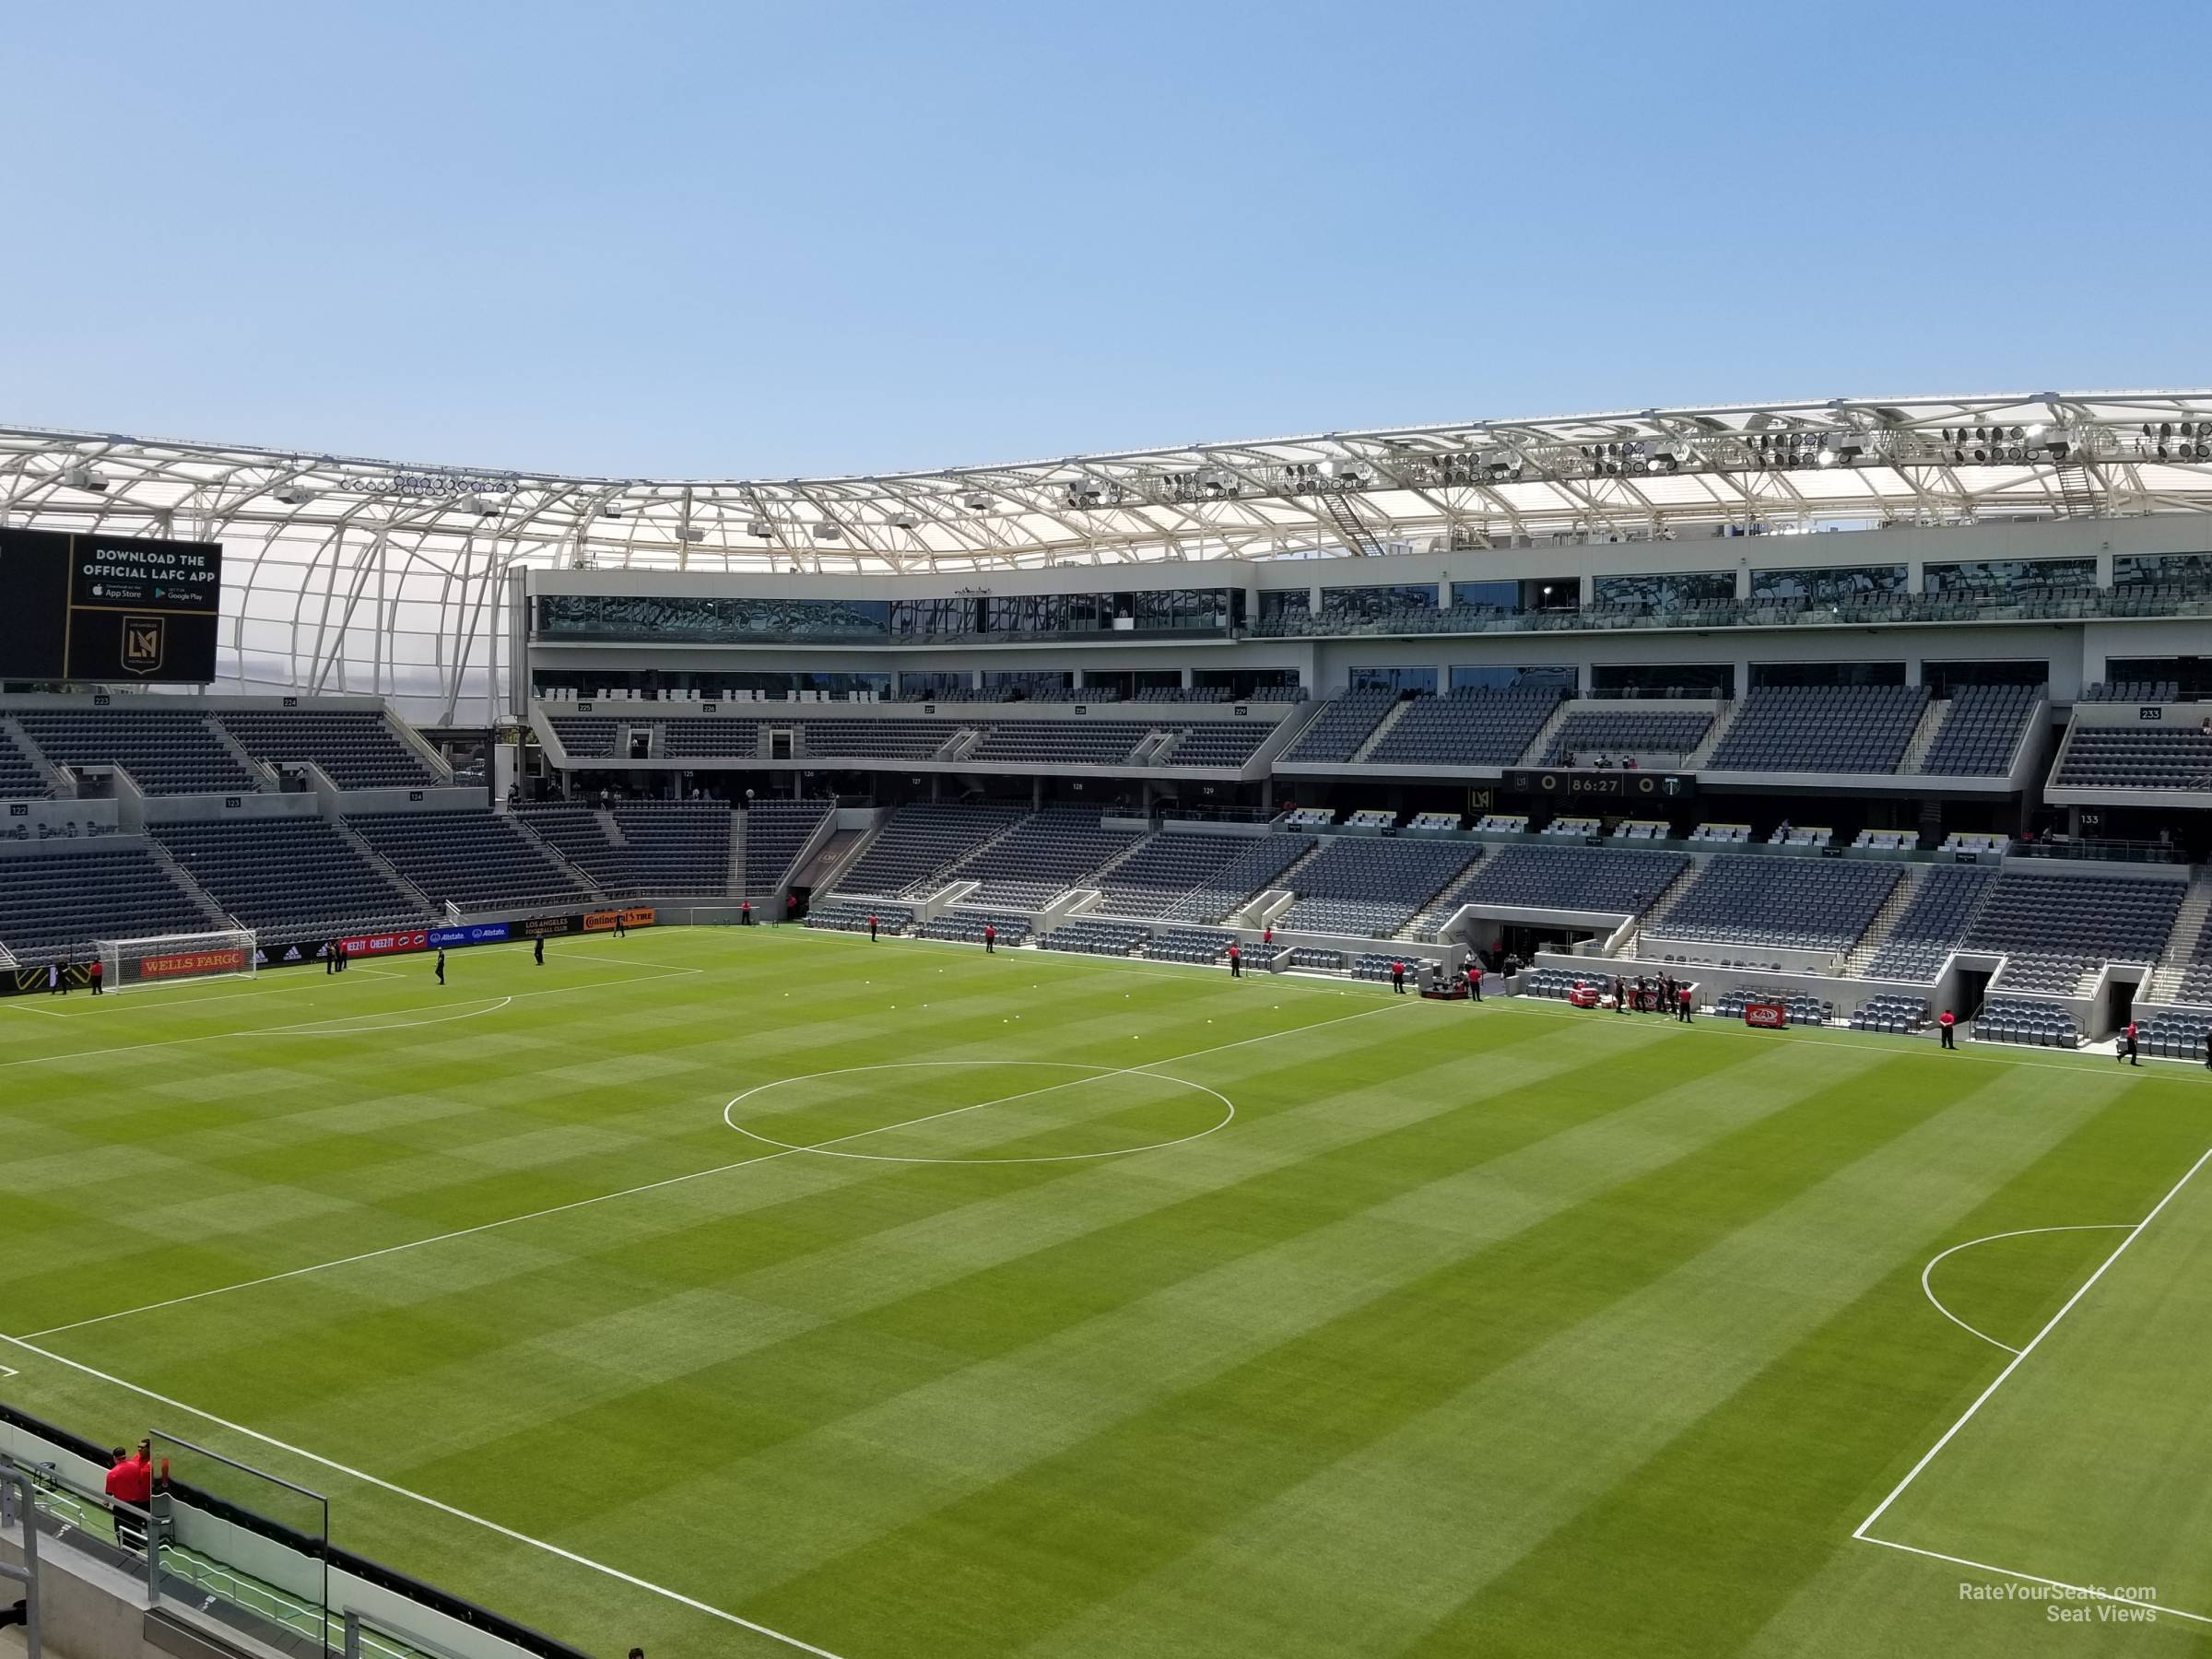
column 1416, row 1329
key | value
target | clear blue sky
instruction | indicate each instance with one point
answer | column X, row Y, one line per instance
column 722, row 239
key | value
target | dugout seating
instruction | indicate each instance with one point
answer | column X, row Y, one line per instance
column 1372, row 887
column 853, row 918
column 2174, row 1035
column 54, row 905
column 477, row 860
column 1471, row 727
column 776, row 833
column 1607, row 880
column 2052, row 928
column 2022, row 1020
column 289, row 879
column 967, row 927
column 922, row 840
column 165, row 751
column 1855, row 729
column 1046, row 854
column 1195, row 945
column 1096, row 939
column 1803, row 1009
column 1814, row 904
column 1164, row 869
column 355, row 747
column 1981, row 731
column 1892, row 1012
column 1933, row 924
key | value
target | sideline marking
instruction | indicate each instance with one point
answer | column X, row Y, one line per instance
column 2013, row 1366
column 132, row 1047
column 460, row 1515
column 650, row 1186
column 2020, row 1232
column 1100, row 1074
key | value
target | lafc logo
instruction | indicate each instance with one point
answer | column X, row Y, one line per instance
column 144, row 642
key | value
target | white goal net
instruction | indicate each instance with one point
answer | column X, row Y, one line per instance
column 169, row 958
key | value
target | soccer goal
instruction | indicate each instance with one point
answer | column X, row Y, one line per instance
column 168, row 958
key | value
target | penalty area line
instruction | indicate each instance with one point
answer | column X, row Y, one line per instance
column 2034, row 1342
column 570, row 1555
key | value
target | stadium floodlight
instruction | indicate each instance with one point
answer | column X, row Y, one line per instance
column 607, row 510
column 905, row 521
column 295, row 495
column 690, row 533
column 977, row 503
column 762, row 528
column 81, row 477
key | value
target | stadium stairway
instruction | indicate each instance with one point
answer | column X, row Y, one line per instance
column 1723, row 716
column 1382, row 730
column 1656, row 911
column 58, row 781
column 2184, row 943
column 555, row 856
column 1540, row 745
column 378, row 861
column 1932, row 720
column 1886, row 919
column 219, row 918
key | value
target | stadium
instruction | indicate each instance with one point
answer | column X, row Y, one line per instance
column 1568, row 1035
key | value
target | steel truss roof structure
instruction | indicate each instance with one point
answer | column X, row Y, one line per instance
column 379, row 575
column 1476, row 483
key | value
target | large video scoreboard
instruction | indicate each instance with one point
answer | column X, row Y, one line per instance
column 94, row 606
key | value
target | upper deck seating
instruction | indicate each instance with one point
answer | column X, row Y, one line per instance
column 1471, row 727
column 1979, row 735
column 165, row 751
column 355, row 747
column 1851, row 729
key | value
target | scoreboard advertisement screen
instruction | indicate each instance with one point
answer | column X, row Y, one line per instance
column 94, row 606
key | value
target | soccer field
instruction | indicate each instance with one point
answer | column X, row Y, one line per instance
column 704, row 1290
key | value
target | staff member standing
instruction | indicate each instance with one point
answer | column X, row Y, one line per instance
column 990, row 939
column 98, row 971
column 1397, row 978
column 1236, row 962
column 871, row 927
column 2126, row 1051
column 1947, row 1022
column 537, row 950
column 1475, row 982
column 442, row 964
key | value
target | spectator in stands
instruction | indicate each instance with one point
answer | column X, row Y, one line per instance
column 990, row 939
column 1236, row 962
column 1397, row 978
column 98, row 972
column 1947, row 1022
column 2126, row 1051
column 1474, row 980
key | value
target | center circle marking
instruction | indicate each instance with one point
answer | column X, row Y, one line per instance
column 829, row 1148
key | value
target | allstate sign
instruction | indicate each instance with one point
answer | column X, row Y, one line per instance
column 481, row 933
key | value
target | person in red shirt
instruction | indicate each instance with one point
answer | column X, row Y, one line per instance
column 2126, row 1051
column 1397, row 978
column 98, row 971
column 990, row 939
column 1947, row 1022
column 1268, row 934
column 131, row 1481
column 1236, row 962
column 1474, row 981
column 871, row 927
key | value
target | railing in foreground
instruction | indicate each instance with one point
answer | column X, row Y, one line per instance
column 224, row 1542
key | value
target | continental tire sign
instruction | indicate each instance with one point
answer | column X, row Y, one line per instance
column 604, row 921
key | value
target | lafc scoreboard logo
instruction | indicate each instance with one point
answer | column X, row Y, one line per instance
column 145, row 643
